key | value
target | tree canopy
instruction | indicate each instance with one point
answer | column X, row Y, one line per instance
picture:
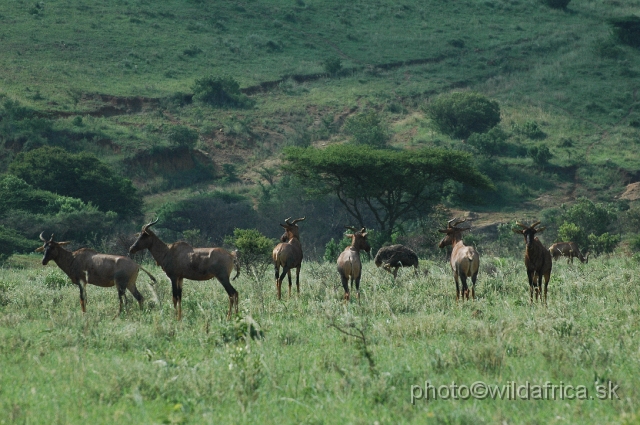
column 392, row 185
column 80, row 176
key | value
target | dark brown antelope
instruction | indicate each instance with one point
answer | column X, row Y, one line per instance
column 87, row 266
column 288, row 255
column 182, row 261
column 465, row 260
column 569, row 250
column 537, row 259
column 349, row 264
column 396, row 256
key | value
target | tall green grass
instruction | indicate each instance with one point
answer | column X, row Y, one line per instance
column 60, row 366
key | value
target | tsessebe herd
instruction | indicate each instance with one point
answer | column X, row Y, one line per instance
column 181, row 261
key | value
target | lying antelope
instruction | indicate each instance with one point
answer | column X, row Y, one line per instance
column 569, row 250
column 87, row 266
column 182, row 261
column 465, row 260
column 288, row 255
column 537, row 259
column 349, row 264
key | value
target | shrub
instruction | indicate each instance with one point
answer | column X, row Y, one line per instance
column 21, row 128
column 332, row 65
column 16, row 194
column 489, row 143
column 459, row 114
column 220, row 92
column 603, row 244
column 181, row 135
column 626, row 30
column 333, row 249
column 557, row 4
column 254, row 249
column 540, row 154
column 531, row 129
column 367, row 129
column 79, row 176
column 12, row 242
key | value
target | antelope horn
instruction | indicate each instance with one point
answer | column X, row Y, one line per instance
column 353, row 229
column 41, row 238
column 151, row 223
column 286, row 220
column 535, row 224
column 51, row 238
column 449, row 225
column 297, row 220
column 522, row 225
column 364, row 229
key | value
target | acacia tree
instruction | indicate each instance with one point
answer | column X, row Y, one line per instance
column 393, row 185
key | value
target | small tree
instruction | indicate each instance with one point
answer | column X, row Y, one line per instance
column 540, row 155
column 332, row 65
column 220, row 92
column 254, row 250
column 459, row 114
column 367, row 129
column 183, row 136
column 489, row 143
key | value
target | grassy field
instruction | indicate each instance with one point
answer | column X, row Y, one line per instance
column 60, row 366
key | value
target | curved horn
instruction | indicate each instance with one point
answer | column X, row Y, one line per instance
column 297, row 220
column 286, row 221
column 521, row 225
column 151, row 223
column 41, row 238
column 535, row 224
column 51, row 238
column 363, row 230
column 353, row 229
column 450, row 226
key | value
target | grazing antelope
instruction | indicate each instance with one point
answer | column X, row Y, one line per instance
column 87, row 266
column 288, row 255
column 465, row 260
column 537, row 259
column 349, row 264
column 396, row 256
column 182, row 261
column 569, row 250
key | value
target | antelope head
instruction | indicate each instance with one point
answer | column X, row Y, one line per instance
column 452, row 232
column 529, row 232
column 359, row 239
column 291, row 229
column 49, row 248
column 145, row 238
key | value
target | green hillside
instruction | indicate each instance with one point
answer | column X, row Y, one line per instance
column 116, row 80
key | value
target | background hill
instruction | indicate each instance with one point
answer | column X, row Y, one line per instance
column 116, row 80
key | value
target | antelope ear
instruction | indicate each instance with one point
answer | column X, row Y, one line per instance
column 64, row 243
column 137, row 235
column 283, row 225
column 443, row 230
column 40, row 249
column 518, row 231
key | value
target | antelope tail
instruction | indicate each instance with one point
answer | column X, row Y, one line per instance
column 236, row 262
column 152, row 286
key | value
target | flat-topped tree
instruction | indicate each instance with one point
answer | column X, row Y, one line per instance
column 394, row 185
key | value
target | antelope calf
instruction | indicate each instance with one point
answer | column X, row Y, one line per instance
column 87, row 266
column 537, row 259
column 182, row 261
column 569, row 250
column 349, row 264
column 288, row 255
column 396, row 256
column 465, row 260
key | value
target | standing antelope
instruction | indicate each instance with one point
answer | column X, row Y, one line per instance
column 182, row 261
column 569, row 250
column 288, row 255
column 465, row 260
column 349, row 264
column 87, row 266
column 537, row 259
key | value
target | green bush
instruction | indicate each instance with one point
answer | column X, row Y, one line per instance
column 21, row 129
column 332, row 65
column 12, row 242
column 626, row 30
column 16, row 194
column 333, row 249
column 540, row 155
column 490, row 143
column 557, row 4
column 80, row 176
column 367, row 129
column 221, row 92
column 254, row 249
column 603, row 244
column 181, row 135
column 530, row 129
column 459, row 114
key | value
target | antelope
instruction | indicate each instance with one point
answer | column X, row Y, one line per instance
column 180, row 261
column 569, row 250
column 537, row 259
column 464, row 261
column 87, row 266
column 396, row 256
column 349, row 264
column 288, row 255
